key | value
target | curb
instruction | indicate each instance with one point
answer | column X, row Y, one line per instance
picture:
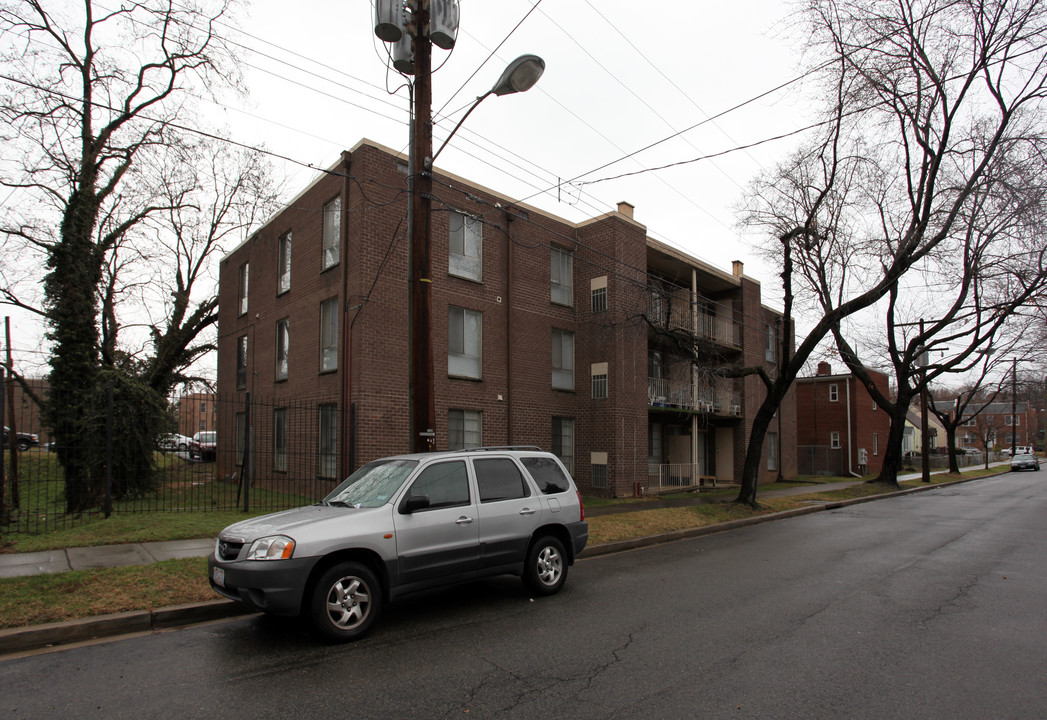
column 35, row 637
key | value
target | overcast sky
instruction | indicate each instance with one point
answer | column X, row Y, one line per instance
column 620, row 77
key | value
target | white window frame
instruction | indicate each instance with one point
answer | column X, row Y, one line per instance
column 834, row 439
column 329, row 335
column 464, row 342
column 562, row 359
column 563, row 441
column 464, row 429
column 332, row 231
column 241, row 288
column 561, row 275
column 834, row 393
column 283, row 347
column 283, row 264
column 465, row 246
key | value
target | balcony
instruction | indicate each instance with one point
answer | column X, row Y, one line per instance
column 716, row 399
column 675, row 311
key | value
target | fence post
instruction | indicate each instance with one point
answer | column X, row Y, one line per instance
column 109, row 452
column 245, row 463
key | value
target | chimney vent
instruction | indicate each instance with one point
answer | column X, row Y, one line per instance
column 738, row 268
column 825, row 368
column 626, row 209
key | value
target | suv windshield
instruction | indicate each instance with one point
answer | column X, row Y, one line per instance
column 373, row 484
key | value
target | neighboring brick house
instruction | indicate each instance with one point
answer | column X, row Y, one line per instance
column 196, row 412
column 839, row 425
column 995, row 424
column 545, row 332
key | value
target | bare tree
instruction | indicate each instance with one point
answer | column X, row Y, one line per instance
column 87, row 97
column 925, row 96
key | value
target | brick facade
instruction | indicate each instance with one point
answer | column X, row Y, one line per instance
column 514, row 392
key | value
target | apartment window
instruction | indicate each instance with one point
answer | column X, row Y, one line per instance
column 280, row 439
column 598, row 290
column 464, row 429
column 328, row 441
column 464, row 341
column 770, row 352
column 283, row 280
column 1016, row 420
column 203, row 408
column 563, row 360
column 283, row 345
column 598, row 372
column 772, row 451
column 332, row 233
column 876, row 443
column 465, row 247
column 834, row 439
column 834, row 393
column 241, row 289
column 329, row 335
column 562, row 272
column 241, row 362
column 598, row 470
column 563, row 441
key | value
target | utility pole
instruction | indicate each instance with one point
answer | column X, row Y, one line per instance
column 925, row 440
column 423, row 405
column 1014, row 406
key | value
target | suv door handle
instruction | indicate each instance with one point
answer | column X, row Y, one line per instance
column 463, row 520
column 528, row 511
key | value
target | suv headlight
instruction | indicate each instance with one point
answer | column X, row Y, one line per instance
column 275, row 547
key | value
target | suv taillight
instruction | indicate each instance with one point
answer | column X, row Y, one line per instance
column 581, row 508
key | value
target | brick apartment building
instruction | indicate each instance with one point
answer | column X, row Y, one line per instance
column 197, row 412
column 839, row 428
column 545, row 332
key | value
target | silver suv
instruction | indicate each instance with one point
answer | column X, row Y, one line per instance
column 403, row 524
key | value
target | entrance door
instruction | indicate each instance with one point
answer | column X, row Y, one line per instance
column 680, row 460
column 725, row 454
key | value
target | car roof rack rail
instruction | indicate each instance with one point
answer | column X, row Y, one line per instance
column 500, row 447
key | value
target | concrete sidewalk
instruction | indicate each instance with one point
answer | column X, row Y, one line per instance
column 102, row 556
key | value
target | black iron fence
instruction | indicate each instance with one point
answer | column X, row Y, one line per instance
column 259, row 456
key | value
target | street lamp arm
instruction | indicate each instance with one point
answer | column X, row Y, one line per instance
column 429, row 161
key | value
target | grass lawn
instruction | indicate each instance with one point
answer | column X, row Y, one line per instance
column 77, row 594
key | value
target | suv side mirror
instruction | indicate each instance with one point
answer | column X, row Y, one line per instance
column 415, row 503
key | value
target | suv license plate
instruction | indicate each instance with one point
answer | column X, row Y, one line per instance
column 219, row 576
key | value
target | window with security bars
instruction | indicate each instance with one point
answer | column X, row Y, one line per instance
column 465, row 246
column 599, row 476
column 464, row 342
column 600, row 387
column 599, row 300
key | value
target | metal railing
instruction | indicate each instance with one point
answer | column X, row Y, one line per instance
column 674, row 475
column 718, row 399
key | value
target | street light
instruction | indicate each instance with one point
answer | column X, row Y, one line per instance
column 520, row 76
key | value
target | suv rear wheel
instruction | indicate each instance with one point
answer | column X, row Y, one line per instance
column 546, row 569
column 346, row 601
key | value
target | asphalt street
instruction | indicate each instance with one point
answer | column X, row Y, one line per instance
column 922, row 606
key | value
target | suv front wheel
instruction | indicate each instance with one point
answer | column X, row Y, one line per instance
column 346, row 601
column 546, row 569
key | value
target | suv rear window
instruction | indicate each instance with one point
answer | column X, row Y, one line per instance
column 547, row 474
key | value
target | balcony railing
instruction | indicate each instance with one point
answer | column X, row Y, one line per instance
column 674, row 311
column 713, row 399
column 675, row 475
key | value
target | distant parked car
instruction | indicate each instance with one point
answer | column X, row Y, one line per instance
column 23, row 441
column 1025, row 462
column 204, row 445
column 173, row 441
